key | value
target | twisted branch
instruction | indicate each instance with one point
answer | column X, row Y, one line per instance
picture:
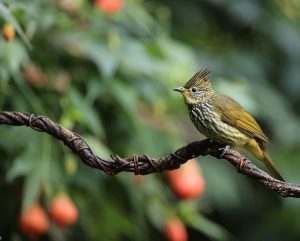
column 145, row 164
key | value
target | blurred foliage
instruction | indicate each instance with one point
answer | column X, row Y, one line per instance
column 109, row 77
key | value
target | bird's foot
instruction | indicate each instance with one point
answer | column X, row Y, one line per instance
column 224, row 150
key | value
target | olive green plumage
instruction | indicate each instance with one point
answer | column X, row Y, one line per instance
column 223, row 119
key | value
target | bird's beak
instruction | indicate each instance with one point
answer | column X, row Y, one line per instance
column 180, row 89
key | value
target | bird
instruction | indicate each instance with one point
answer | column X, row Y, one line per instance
column 222, row 119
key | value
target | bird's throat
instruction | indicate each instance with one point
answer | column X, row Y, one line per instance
column 189, row 100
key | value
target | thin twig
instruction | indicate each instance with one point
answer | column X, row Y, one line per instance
column 145, row 164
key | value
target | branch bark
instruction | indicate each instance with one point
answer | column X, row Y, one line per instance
column 144, row 164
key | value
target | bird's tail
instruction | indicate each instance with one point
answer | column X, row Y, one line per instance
column 270, row 165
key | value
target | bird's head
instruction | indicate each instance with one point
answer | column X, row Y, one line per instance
column 197, row 89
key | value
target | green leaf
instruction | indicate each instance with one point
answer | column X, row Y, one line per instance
column 106, row 59
column 96, row 50
column 210, row 229
column 97, row 146
column 29, row 163
column 18, row 168
column 28, row 93
column 24, row 163
column 14, row 55
column 87, row 113
column 189, row 213
column 31, row 188
column 125, row 97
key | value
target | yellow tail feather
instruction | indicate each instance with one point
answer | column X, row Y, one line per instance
column 271, row 166
column 258, row 150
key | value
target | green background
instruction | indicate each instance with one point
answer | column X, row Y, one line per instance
column 109, row 77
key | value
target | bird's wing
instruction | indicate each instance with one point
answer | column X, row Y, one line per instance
column 233, row 114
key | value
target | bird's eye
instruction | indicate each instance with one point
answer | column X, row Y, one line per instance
column 194, row 89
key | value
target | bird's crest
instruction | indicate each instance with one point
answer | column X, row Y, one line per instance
column 198, row 78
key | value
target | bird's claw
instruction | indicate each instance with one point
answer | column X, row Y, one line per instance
column 224, row 150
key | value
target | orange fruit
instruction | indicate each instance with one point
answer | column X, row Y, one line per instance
column 63, row 211
column 33, row 221
column 175, row 230
column 187, row 181
column 109, row 6
column 8, row 32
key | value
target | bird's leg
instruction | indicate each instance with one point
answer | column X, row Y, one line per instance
column 224, row 150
